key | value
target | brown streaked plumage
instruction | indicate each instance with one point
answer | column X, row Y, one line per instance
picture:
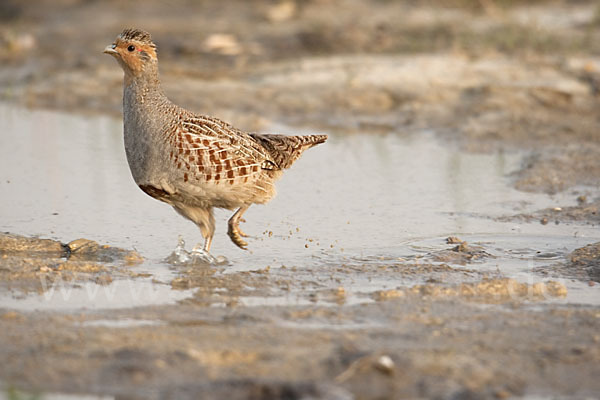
column 193, row 162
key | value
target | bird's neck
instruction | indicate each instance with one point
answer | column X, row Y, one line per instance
column 146, row 109
column 144, row 87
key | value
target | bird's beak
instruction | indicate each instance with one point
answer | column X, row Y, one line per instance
column 110, row 49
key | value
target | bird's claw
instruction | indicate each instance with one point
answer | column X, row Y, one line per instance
column 236, row 226
column 235, row 234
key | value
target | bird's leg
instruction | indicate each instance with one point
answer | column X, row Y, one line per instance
column 208, row 230
column 233, row 228
column 237, row 218
column 207, row 243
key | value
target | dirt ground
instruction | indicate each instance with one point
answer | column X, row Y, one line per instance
column 434, row 340
column 485, row 76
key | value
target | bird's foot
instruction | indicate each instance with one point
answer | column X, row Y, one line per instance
column 201, row 256
column 241, row 232
column 198, row 255
column 235, row 225
column 235, row 234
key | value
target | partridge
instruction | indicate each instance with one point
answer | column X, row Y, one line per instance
column 189, row 161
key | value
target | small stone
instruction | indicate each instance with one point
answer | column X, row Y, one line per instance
column 385, row 364
column 132, row 258
column 83, row 246
column 544, row 221
column 453, row 240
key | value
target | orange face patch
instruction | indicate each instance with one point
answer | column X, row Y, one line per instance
column 134, row 54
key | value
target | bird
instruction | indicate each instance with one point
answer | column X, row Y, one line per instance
column 193, row 162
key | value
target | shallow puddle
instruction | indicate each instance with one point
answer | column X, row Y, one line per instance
column 522, row 257
column 356, row 199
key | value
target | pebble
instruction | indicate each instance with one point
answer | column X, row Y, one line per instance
column 133, row 257
column 83, row 246
column 453, row 240
column 385, row 364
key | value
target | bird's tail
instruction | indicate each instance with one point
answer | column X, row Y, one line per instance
column 313, row 140
column 287, row 149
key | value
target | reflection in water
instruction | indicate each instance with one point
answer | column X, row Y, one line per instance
column 124, row 293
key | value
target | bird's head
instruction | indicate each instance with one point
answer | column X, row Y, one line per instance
column 135, row 51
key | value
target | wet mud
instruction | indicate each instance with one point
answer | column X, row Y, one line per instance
column 443, row 244
column 30, row 264
column 582, row 213
column 295, row 333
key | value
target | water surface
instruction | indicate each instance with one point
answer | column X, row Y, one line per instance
column 357, row 198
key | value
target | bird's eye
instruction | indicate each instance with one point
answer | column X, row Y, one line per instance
column 131, row 47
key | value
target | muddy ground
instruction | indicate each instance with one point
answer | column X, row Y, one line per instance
column 485, row 76
column 481, row 338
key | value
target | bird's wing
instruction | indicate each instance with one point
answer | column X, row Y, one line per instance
column 211, row 150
